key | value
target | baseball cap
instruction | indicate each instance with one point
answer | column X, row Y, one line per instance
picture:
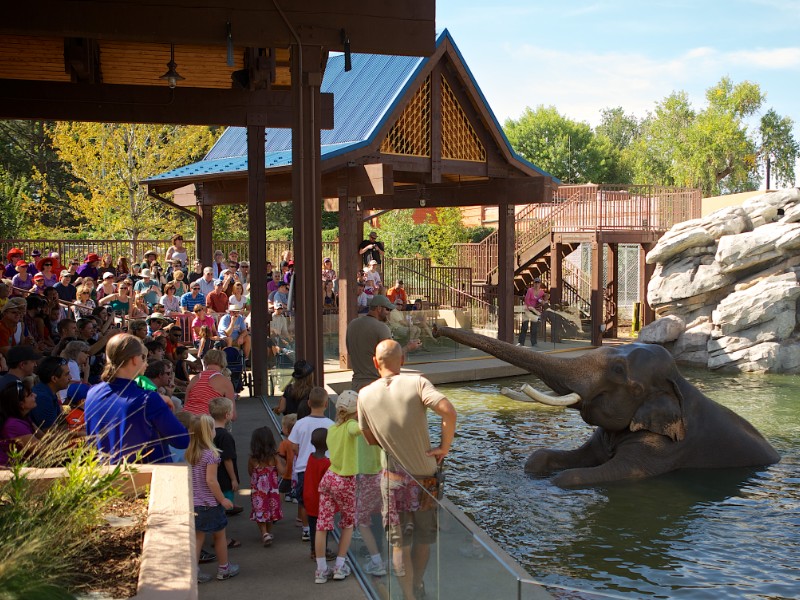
column 39, row 276
column 373, row 262
column 347, row 400
column 373, row 234
column 537, row 280
column 66, row 273
column 379, row 300
column 21, row 353
column 106, row 275
column 279, row 305
column 195, row 285
column 21, row 263
column 234, row 307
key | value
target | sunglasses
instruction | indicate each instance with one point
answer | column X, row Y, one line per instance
column 47, row 264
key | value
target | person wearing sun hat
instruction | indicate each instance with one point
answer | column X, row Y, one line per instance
column 14, row 255
column 89, row 267
column 22, row 280
column 38, row 285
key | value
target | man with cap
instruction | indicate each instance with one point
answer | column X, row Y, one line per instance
column 156, row 322
column 33, row 269
column 217, row 300
column 398, row 291
column 148, row 286
column 192, row 298
column 281, row 294
column 21, row 362
column 364, row 334
column 66, row 291
column 535, row 298
column 150, row 257
column 371, row 249
column 12, row 332
column 232, row 329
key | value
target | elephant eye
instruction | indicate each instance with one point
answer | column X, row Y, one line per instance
column 618, row 370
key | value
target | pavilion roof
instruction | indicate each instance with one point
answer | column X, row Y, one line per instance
column 365, row 98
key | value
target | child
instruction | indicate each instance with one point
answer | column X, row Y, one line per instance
column 316, row 467
column 221, row 409
column 301, row 442
column 337, row 490
column 209, row 503
column 204, row 341
column 182, row 370
column 286, row 451
column 264, row 466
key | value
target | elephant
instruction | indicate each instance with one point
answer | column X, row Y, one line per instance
column 649, row 420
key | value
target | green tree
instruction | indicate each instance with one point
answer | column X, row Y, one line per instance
column 564, row 148
column 715, row 148
column 37, row 178
column 112, row 159
column 447, row 231
column 401, row 237
column 778, row 149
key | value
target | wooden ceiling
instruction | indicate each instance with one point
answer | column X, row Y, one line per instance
column 103, row 59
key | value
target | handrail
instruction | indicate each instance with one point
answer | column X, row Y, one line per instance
column 459, row 293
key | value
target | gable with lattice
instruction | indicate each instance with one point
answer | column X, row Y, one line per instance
column 459, row 140
column 411, row 133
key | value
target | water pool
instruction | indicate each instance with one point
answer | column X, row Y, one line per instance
column 690, row 534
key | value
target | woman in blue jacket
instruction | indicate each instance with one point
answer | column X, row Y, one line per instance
column 126, row 421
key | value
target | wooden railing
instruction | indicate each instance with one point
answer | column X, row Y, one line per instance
column 134, row 249
column 577, row 288
column 587, row 208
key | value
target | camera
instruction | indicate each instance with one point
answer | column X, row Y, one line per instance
column 109, row 310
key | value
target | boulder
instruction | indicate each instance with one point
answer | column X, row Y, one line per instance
column 693, row 340
column 763, row 246
column 686, row 278
column 662, row 330
column 760, row 358
column 764, row 301
column 767, row 207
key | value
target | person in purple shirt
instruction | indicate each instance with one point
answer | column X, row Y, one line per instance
column 32, row 268
column 17, row 400
column 22, row 280
column 89, row 267
column 14, row 255
column 124, row 420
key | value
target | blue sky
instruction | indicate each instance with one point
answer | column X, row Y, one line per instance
column 582, row 56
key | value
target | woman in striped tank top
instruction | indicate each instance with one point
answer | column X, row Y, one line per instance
column 210, row 383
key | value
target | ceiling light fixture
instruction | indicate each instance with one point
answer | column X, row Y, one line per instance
column 348, row 60
column 171, row 76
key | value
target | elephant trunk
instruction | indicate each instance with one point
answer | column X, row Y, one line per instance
column 562, row 375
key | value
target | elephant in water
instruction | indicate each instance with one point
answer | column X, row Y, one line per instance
column 649, row 419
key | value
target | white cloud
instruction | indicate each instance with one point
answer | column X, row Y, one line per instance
column 775, row 58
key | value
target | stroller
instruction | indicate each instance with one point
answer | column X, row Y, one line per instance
column 240, row 377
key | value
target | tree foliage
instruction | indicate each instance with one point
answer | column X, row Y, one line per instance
column 112, row 159
column 400, row 236
column 566, row 149
column 779, row 147
column 447, row 231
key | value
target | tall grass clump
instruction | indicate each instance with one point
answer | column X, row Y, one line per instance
column 45, row 526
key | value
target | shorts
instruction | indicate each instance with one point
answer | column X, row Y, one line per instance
column 298, row 490
column 210, row 519
column 337, row 494
column 408, row 511
column 368, row 498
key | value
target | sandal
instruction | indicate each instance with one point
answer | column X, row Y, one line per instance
column 234, row 543
column 267, row 539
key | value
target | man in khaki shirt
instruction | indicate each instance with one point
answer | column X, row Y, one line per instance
column 392, row 414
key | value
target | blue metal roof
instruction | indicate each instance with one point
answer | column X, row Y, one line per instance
column 363, row 99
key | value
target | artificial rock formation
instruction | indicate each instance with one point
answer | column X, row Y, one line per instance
column 726, row 287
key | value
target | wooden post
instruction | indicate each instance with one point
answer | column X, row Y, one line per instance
column 505, row 272
column 307, row 198
column 613, row 284
column 257, row 225
column 597, row 293
column 647, row 314
column 203, row 239
column 350, row 235
column 556, row 271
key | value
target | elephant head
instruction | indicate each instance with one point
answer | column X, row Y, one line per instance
column 649, row 419
column 635, row 387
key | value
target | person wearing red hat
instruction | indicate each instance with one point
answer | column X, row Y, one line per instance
column 38, row 285
column 22, row 281
column 89, row 267
column 47, row 266
column 14, row 255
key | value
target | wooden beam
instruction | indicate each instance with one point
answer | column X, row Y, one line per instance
column 351, row 228
column 613, row 284
column 514, row 191
column 150, row 104
column 505, row 272
column 597, row 294
column 400, row 27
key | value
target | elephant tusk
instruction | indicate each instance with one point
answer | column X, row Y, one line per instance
column 551, row 399
column 515, row 395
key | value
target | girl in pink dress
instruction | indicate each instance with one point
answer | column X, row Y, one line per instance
column 265, row 466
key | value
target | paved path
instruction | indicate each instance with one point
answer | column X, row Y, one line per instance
column 283, row 570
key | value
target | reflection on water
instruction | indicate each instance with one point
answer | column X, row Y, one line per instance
column 690, row 534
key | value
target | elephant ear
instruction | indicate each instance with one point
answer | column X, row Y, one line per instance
column 662, row 413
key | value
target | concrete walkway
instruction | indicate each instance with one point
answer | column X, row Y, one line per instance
column 284, row 570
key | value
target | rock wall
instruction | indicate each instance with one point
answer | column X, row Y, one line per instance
column 726, row 287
